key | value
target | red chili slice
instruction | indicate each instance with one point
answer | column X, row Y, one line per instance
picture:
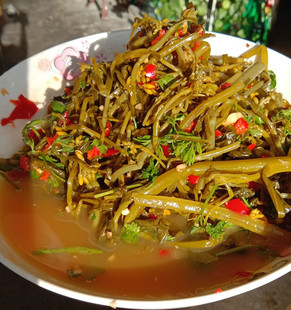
column 193, row 179
column 151, row 71
column 196, row 44
column 166, row 150
column 236, row 205
column 95, row 152
column 241, row 126
column 24, row 162
column 45, row 175
column 107, row 129
column 251, row 146
column 225, row 86
column 110, row 152
column 191, row 127
column 218, row 133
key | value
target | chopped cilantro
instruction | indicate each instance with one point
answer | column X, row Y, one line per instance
column 151, row 172
column 217, row 231
column 283, row 114
column 130, row 232
column 197, row 230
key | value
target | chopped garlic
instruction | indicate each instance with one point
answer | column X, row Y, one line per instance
column 232, row 118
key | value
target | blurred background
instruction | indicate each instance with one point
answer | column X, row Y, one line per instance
column 30, row 26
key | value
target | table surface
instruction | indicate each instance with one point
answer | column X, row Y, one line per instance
column 41, row 24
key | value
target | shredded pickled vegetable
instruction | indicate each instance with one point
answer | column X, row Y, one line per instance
column 123, row 141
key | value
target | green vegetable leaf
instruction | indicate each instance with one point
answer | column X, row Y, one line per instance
column 186, row 150
column 255, row 132
column 217, row 231
column 55, row 162
column 197, row 230
column 283, row 114
column 130, row 232
column 173, row 121
column 273, row 78
column 165, row 81
column 259, row 120
column 33, row 174
column 82, row 84
column 151, row 172
column 58, row 107
column 143, row 140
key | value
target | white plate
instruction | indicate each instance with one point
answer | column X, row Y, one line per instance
column 45, row 75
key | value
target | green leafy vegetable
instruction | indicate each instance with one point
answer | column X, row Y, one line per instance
column 166, row 81
column 152, row 171
column 58, row 107
column 273, row 78
column 130, row 232
column 217, row 231
column 55, row 162
column 143, row 140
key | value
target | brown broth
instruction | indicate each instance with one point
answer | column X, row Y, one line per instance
column 30, row 220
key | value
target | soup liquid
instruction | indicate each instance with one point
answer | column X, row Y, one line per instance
column 32, row 219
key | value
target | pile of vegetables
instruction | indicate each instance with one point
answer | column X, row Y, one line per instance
column 169, row 144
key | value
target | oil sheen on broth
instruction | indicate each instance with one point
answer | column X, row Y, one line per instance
column 32, row 219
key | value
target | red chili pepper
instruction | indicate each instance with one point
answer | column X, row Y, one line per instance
column 255, row 186
column 196, row 44
column 164, row 252
column 107, row 129
column 219, row 290
column 166, row 150
column 32, row 135
column 50, row 141
column 45, row 175
column 68, row 91
column 225, row 86
column 24, row 162
column 95, row 152
column 236, row 205
column 65, row 116
column 241, row 126
column 191, row 127
column 161, row 34
column 110, row 152
column 180, row 32
column 24, row 109
column 218, row 133
column 251, row 146
column 151, row 71
column 153, row 216
column 193, row 179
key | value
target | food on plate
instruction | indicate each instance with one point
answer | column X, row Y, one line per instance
column 169, row 146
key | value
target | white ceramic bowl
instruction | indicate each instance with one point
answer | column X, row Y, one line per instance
column 45, row 75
